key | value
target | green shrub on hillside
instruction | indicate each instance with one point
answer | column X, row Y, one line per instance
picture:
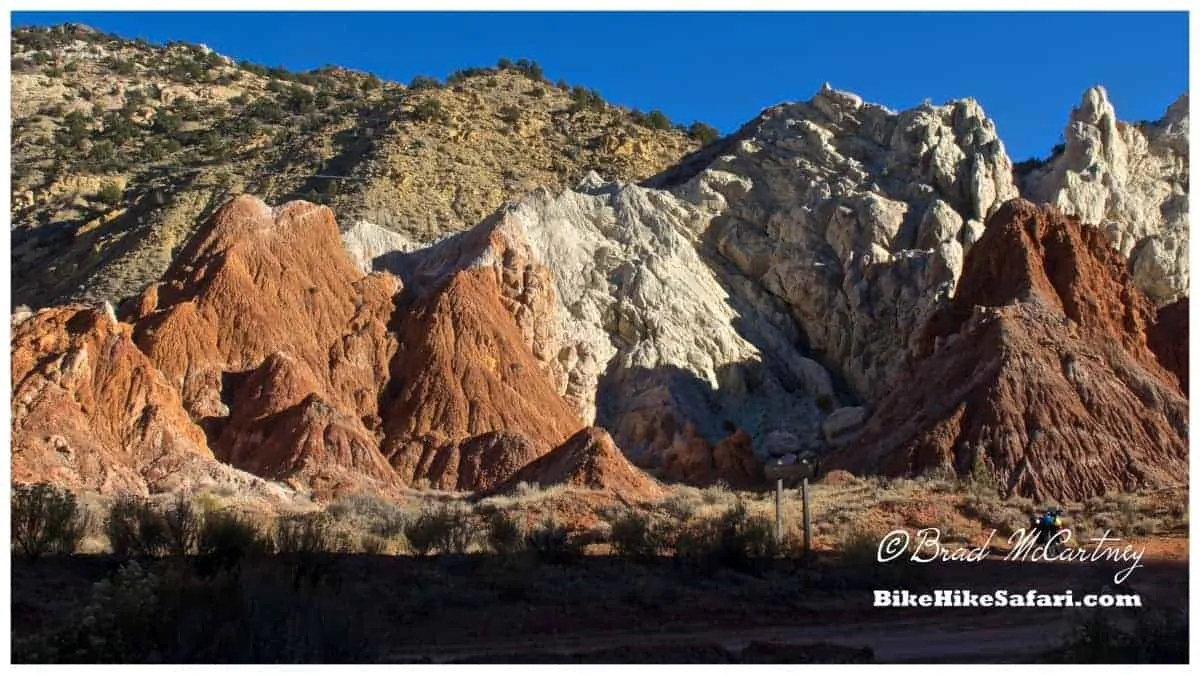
column 429, row 110
column 703, row 133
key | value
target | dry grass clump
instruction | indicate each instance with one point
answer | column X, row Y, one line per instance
column 444, row 528
column 369, row 523
column 1132, row 515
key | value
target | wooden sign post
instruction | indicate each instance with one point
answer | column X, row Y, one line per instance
column 803, row 468
column 779, row 511
column 807, row 523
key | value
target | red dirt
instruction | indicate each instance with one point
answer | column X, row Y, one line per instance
column 589, row 459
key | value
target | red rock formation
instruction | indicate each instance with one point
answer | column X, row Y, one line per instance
column 278, row 344
column 691, row 459
column 91, row 411
column 280, row 428
column 589, row 459
column 1039, row 368
column 476, row 464
column 266, row 344
column 525, row 287
column 1168, row 338
column 462, row 369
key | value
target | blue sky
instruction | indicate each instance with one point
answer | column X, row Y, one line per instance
column 1027, row 69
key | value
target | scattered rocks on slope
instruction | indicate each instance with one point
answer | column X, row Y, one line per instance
column 424, row 161
column 1039, row 370
column 1131, row 181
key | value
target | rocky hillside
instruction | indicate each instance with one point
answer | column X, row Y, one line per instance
column 1039, row 376
column 265, row 348
column 835, row 278
column 147, row 140
column 773, row 292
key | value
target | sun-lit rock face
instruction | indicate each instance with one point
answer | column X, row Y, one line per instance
column 1131, row 181
column 614, row 296
column 91, row 412
column 854, row 217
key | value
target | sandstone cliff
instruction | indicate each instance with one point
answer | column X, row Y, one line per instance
column 854, row 217
column 612, row 296
column 266, row 343
column 463, row 370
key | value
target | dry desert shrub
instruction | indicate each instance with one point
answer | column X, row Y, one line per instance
column 305, row 533
column 445, row 528
column 183, row 521
column 505, row 535
column 232, row 536
column 46, row 519
column 136, row 528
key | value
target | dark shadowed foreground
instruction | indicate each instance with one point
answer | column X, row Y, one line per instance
column 552, row 605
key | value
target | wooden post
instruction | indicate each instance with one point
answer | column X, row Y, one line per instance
column 779, row 511
column 807, row 522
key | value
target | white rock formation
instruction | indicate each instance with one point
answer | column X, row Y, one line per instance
column 856, row 217
column 1130, row 180
column 643, row 336
column 366, row 241
column 821, row 233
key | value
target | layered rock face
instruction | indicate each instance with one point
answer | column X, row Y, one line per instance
column 462, row 369
column 1040, row 369
column 856, row 218
column 769, row 295
column 90, row 411
column 612, row 296
column 1130, row 180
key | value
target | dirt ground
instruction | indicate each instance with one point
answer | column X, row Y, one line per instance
column 601, row 609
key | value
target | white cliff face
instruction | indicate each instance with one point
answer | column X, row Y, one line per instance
column 856, row 218
column 817, row 239
column 650, row 337
column 1130, row 181
column 634, row 326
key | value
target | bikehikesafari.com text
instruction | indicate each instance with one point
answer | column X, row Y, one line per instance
column 1004, row 598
